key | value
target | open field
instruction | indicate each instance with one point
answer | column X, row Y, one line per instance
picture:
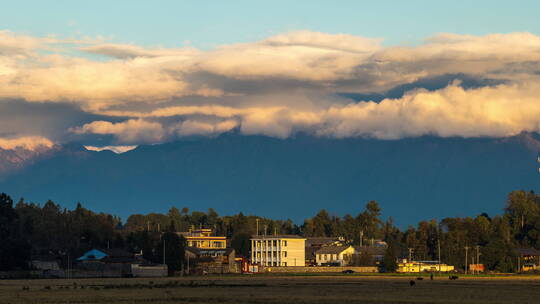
column 275, row 289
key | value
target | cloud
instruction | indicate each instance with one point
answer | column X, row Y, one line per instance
column 278, row 86
column 499, row 111
column 294, row 61
column 31, row 143
column 193, row 127
column 129, row 51
column 115, row 149
column 12, row 44
column 130, row 131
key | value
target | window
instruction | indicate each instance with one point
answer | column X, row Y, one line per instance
column 269, row 254
column 284, row 243
column 284, row 254
column 258, row 255
column 275, row 254
column 285, row 264
column 275, row 243
column 326, row 256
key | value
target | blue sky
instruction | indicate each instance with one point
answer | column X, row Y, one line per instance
column 207, row 24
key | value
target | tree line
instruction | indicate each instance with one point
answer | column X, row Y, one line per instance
column 28, row 230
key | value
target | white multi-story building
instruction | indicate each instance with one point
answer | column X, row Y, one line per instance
column 278, row 250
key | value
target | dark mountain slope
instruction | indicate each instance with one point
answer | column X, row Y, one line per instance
column 412, row 179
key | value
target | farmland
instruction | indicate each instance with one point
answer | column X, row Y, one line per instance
column 275, row 289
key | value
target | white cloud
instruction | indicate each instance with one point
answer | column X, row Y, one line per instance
column 128, row 51
column 281, row 85
column 31, row 143
column 130, row 131
column 193, row 127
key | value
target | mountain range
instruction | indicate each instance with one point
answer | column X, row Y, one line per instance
column 412, row 179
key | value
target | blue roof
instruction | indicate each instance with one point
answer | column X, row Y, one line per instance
column 93, row 255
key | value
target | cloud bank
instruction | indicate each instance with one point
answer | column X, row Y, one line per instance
column 279, row 86
column 31, row 143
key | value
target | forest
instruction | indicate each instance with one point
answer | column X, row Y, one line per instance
column 29, row 229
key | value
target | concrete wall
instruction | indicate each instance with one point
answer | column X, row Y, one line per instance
column 149, row 271
column 319, row 269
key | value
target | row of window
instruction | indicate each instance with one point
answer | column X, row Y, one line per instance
column 328, row 257
column 208, row 244
column 268, row 243
column 272, row 253
column 276, row 264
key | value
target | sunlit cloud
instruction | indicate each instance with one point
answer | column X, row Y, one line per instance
column 31, row 143
column 278, row 86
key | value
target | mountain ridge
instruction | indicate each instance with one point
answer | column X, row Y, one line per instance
column 412, row 178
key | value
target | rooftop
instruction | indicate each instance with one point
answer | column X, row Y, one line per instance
column 527, row 251
column 275, row 237
column 332, row 249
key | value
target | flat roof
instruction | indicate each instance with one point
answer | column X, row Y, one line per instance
column 275, row 237
column 206, row 237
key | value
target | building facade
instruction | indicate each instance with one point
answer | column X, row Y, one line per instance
column 423, row 266
column 278, row 250
column 204, row 238
column 334, row 255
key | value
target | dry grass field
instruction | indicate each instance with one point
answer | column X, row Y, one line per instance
column 275, row 289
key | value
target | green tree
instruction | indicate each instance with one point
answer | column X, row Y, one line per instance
column 241, row 244
column 14, row 250
column 390, row 258
column 174, row 251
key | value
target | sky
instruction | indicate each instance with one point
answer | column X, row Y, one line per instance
column 116, row 74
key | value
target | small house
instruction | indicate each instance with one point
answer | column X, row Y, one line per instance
column 334, row 255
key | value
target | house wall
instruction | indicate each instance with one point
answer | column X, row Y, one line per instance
column 278, row 252
column 342, row 258
column 415, row 267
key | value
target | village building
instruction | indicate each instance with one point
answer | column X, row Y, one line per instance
column 375, row 253
column 204, row 238
column 115, row 263
column 315, row 243
column 334, row 255
column 423, row 266
column 528, row 259
column 278, row 250
column 208, row 261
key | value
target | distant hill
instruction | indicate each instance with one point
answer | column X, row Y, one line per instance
column 412, row 179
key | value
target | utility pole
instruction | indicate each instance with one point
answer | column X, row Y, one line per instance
column 477, row 258
column 466, row 258
column 164, row 262
column 439, row 247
